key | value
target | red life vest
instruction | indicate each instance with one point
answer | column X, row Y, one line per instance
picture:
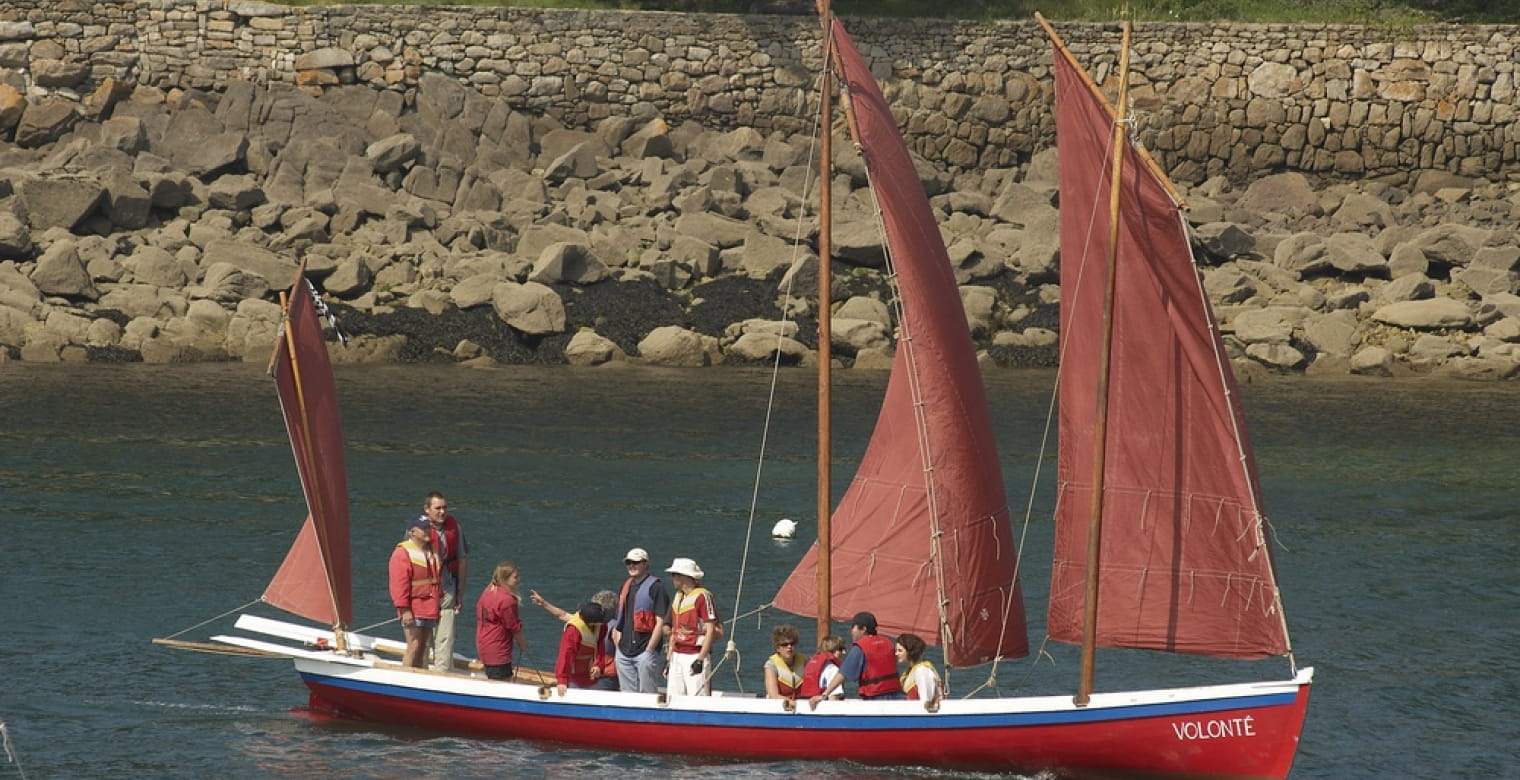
column 880, row 675
column 813, row 671
column 788, row 676
column 451, row 541
column 414, row 580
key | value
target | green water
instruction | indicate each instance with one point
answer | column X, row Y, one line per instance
column 142, row 500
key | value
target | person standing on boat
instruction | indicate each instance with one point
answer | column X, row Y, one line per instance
column 871, row 663
column 498, row 626
column 414, row 570
column 822, row 668
column 921, row 682
column 582, row 649
column 694, row 629
column 639, row 625
column 453, row 552
column 783, row 670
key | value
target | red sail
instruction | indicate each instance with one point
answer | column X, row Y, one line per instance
column 932, row 465
column 1185, row 565
column 315, row 581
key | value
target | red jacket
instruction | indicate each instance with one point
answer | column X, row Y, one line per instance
column 414, row 580
column 580, row 648
column 497, row 625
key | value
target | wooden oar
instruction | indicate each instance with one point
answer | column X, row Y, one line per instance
column 210, row 647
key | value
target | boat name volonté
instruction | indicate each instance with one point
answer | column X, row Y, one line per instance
column 1215, row 729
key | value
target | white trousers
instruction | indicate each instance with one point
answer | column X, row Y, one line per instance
column 683, row 681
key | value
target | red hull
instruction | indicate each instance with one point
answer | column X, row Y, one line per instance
column 1255, row 741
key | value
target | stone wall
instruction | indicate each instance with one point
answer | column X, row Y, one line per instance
column 1235, row 100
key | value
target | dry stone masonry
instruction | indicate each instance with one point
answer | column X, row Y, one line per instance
column 527, row 185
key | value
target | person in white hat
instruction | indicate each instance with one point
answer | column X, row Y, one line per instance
column 694, row 629
column 639, row 625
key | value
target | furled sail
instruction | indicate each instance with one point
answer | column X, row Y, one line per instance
column 1185, row 564
column 315, row 579
column 925, row 521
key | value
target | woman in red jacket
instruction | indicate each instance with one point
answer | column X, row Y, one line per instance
column 415, row 591
column 497, row 624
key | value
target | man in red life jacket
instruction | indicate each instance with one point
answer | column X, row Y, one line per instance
column 449, row 544
column 871, row 663
column 582, row 651
column 639, row 624
column 413, row 575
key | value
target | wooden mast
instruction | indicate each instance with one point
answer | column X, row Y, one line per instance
column 825, row 357
column 1100, row 427
column 339, row 640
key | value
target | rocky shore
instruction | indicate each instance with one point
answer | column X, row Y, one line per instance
column 440, row 225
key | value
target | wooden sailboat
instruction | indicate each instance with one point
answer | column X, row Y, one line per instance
column 922, row 536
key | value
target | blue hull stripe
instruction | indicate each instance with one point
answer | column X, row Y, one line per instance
column 662, row 716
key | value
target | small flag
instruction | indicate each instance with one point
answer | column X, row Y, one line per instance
column 324, row 312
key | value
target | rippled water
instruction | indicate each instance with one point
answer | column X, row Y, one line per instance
column 143, row 500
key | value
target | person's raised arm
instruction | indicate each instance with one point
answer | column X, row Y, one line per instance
column 548, row 607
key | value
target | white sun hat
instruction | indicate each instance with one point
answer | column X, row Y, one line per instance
column 685, row 566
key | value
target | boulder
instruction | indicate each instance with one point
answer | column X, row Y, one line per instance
column 60, row 272
column 1273, row 325
column 589, row 348
column 1429, row 314
column 672, row 345
column 45, row 122
column 766, row 347
column 235, row 193
column 276, row 270
column 225, row 282
column 979, row 302
column 1354, row 253
column 531, row 308
column 864, row 307
column 852, row 336
column 58, row 201
column 568, row 263
column 1289, row 194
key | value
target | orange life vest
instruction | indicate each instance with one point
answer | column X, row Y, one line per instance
column 686, row 625
column 414, row 580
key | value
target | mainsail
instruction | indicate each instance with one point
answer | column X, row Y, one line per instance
column 315, row 579
column 1185, row 564
column 925, row 521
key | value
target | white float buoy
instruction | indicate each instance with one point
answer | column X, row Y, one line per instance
column 785, row 528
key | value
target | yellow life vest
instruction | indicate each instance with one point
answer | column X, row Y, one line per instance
column 910, row 680
column 788, row 676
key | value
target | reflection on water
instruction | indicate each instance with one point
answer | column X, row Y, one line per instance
column 152, row 498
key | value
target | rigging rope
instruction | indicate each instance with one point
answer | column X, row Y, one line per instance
column 218, row 617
